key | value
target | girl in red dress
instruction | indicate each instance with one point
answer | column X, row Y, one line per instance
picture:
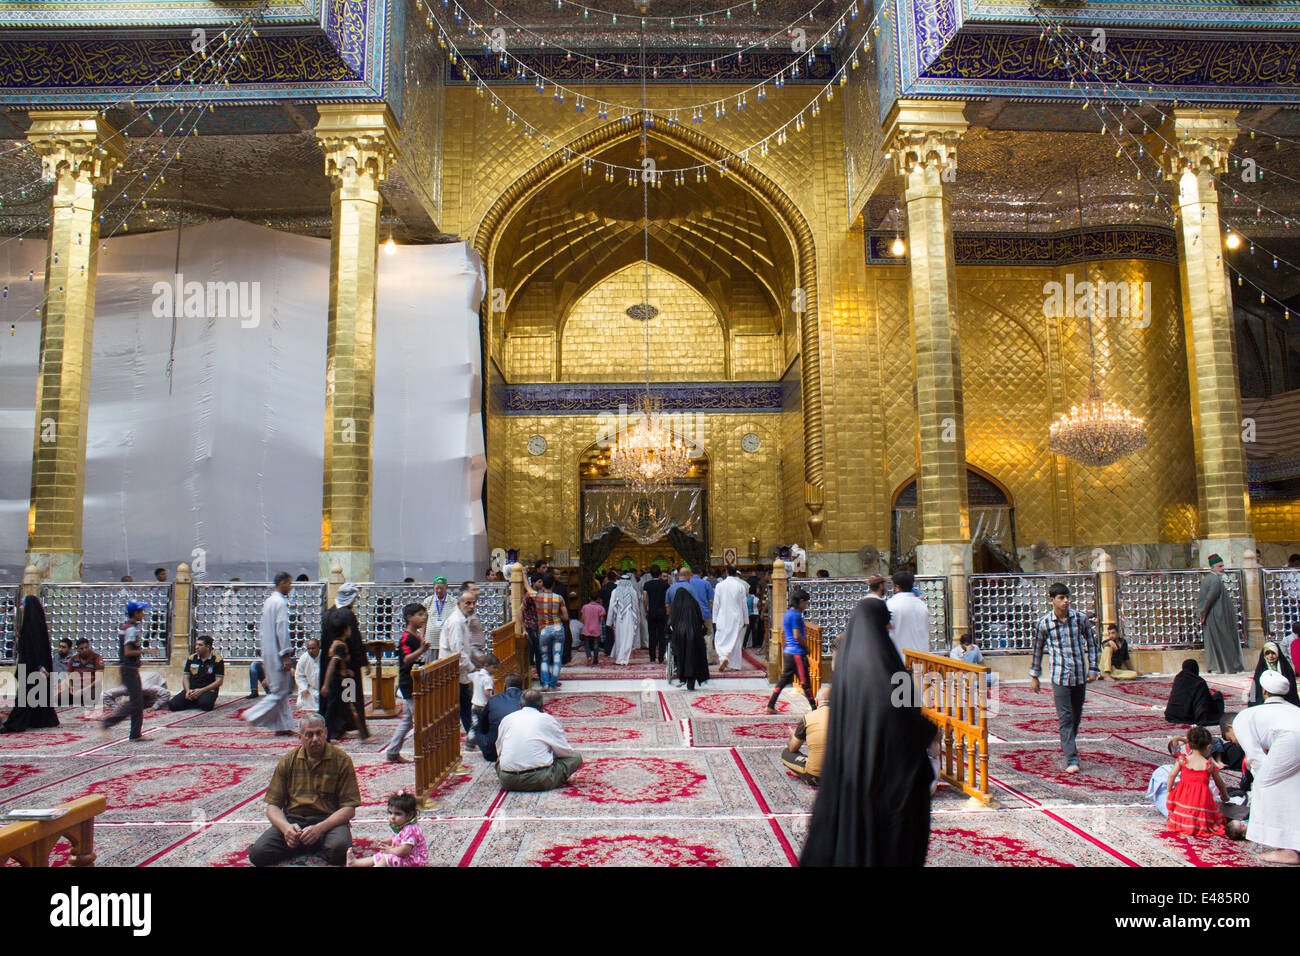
column 1192, row 807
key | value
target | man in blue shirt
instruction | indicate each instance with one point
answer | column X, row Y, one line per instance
column 683, row 581
column 703, row 592
column 498, row 708
column 1068, row 637
column 794, row 652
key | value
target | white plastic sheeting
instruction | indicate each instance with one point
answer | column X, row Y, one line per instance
column 231, row 461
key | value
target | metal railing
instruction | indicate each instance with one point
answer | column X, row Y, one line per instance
column 8, row 631
column 96, row 611
column 379, row 608
column 231, row 613
column 1005, row 608
column 1159, row 608
column 832, row 600
column 1281, row 601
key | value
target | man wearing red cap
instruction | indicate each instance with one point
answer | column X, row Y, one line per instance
column 1217, row 613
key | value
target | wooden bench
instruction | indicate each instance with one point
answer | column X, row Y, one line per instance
column 30, row 842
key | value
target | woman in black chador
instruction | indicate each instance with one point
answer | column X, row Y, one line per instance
column 689, row 650
column 35, row 672
column 873, row 802
column 343, row 704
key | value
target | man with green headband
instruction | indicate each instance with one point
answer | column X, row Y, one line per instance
column 1217, row 613
column 439, row 606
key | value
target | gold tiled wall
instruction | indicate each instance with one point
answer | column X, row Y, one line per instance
column 1276, row 520
column 1020, row 370
column 755, row 357
column 541, row 493
column 483, row 155
column 602, row 344
column 530, row 358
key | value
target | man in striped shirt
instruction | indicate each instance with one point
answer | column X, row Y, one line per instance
column 1068, row 637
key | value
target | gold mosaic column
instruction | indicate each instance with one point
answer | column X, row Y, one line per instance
column 923, row 136
column 1201, row 141
column 79, row 152
column 359, row 144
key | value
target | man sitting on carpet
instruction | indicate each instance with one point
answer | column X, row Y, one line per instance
column 811, row 730
column 85, row 674
column 201, row 682
column 499, row 707
column 533, row 752
column 311, row 800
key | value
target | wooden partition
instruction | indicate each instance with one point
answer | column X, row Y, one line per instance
column 954, row 695
column 436, row 689
column 29, row 842
column 510, row 645
column 813, row 638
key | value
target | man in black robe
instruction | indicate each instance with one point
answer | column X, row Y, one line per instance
column 873, row 805
column 1190, row 699
column 33, row 709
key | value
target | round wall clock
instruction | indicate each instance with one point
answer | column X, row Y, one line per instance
column 537, row 445
column 751, row 442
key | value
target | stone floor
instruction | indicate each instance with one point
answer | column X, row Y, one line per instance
column 670, row 778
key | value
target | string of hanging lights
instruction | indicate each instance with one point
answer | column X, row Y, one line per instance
column 787, row 33
column 1082, row 52
column 677, row 176
column 165, row 150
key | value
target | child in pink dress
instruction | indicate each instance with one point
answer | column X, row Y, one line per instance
column 407, row 847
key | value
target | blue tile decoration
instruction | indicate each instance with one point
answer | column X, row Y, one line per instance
column 349, row 53
column 1046, row 249
column 593, row 399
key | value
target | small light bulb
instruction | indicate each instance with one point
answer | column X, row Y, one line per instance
column 390, row 247
column 898, row 248
column 1233, row 240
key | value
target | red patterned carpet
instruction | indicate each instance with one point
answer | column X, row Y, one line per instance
column 670, row 778
column 640, row 668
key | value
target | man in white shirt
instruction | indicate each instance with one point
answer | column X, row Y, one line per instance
column 1270, row 736
column 909, row 616
column 275, row 711
column 730, row 617
column 456, row 640
column 532, row 751
column 307, row 676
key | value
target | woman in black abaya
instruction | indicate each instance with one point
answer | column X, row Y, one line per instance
column 35, row 672
column 689, row 650
column 873, row 802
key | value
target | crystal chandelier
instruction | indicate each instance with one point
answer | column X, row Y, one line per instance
column 648, row 455
column 1096, row 432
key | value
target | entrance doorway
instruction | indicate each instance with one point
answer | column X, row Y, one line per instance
column 620, row 529
column 992, row 526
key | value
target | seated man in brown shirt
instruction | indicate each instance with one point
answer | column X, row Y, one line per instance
column 312, row 797
column 811, row 730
